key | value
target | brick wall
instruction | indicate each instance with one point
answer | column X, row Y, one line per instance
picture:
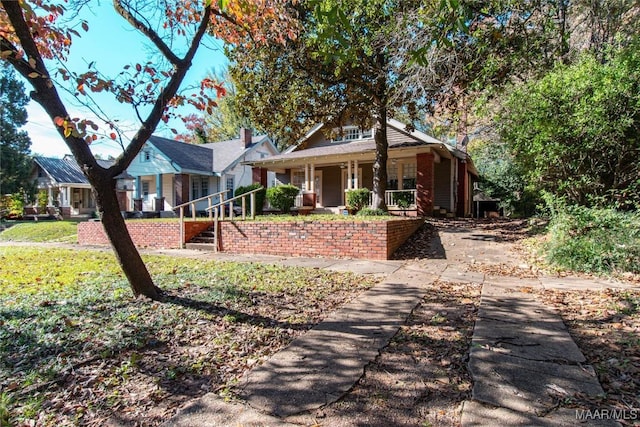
column 331, row 239
column 145, row 234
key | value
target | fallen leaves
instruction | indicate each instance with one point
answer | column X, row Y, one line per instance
column 83, row 355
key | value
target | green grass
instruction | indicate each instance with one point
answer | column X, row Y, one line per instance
column 594, row 240
column 68, row 317
column 41, row 231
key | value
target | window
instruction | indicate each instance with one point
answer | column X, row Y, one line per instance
column 145, row 155
column 409, row 176
column 392, row 176
column 145, row 190
column 351, row 133
column 297, row 178
column 204, row 186
column 230, row 183
column 195, row 187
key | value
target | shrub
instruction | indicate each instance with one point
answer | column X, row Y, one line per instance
column 260, row 196
column 358, row 198
column 403, row 199
column 371, row 212
column 594, row 240
column 16, row 205
column 283, row 197
column 43, row 199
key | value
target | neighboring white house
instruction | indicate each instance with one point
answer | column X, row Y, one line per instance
column 168, row 173
column 68, row 188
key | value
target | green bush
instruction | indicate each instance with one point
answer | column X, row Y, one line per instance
column 42, row 200
column 594, row 240
column 403, row 199
column 283, row 197
column 371, row 212
column 260, row 196
column 358, row 198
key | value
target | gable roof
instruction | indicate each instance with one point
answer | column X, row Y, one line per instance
column 228, row 153
column 189, row 157
column 65, row 170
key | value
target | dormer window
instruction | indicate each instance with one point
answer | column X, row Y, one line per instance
column 352, row 133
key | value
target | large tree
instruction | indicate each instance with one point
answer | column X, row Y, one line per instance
column 15, row 144
column 35, row 40
column 577, row 136
column 339, row 70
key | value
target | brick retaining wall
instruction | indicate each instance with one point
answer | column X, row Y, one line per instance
column 145, row 234
column 333, row 239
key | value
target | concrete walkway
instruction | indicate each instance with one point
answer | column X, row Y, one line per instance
column 523, row 361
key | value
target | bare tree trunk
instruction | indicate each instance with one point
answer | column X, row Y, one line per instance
column 116, row 229
column 380, row 162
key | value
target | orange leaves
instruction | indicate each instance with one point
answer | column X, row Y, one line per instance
column 78, row 128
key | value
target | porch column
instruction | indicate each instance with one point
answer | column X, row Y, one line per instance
column 158, row 185
column 461, row 209
column 306, row 177
column 312, row 179
column 259, row 175
column 424, row 183
column 181, row 188
column 355, row 174
column 349, row 175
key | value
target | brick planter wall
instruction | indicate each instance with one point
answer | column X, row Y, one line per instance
column 145, row 234
column 332, row 239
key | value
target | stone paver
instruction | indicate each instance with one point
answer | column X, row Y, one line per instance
column 523, row 362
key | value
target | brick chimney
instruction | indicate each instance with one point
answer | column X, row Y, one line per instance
column 245, row 137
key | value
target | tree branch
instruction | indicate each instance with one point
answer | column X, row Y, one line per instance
column 44, row 92
column 148, row 32
column 167, row 94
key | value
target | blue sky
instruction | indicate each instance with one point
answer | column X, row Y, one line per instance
column 112, row 43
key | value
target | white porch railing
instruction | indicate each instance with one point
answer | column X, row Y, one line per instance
column 391, row 197
column 216, row 211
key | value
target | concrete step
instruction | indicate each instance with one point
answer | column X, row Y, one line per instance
column 201, row 246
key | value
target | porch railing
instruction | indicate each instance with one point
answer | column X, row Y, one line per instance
column 391, row 197
column 216, row 211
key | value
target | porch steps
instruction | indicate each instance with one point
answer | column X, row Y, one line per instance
column 205, row 241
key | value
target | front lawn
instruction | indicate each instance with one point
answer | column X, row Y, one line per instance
column 42, row 231
column 75, row 348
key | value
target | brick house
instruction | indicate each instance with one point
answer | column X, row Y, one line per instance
column 438, row 176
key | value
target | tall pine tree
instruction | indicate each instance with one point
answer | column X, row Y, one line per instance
column 14, row 143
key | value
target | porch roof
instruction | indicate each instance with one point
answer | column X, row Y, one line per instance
column 65, row 170
column 341, row 151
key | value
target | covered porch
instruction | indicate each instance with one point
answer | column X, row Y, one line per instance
column 425, row 176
